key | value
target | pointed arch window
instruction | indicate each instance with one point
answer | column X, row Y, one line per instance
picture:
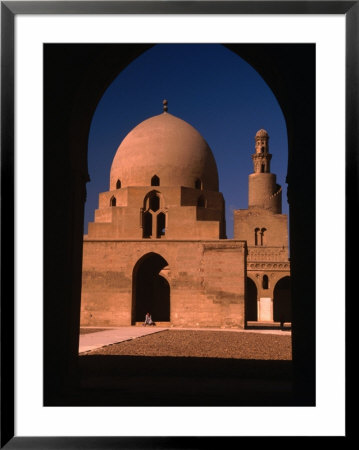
column 201, row 202
column 198, row 184
column 256, row 236
column 263, row 230
column 153, row 216
column 113, row 201
column 154, row 203
column 161, row 224
column 155, row 181
column 265, row 282
column 118, row 184
column 147, row 224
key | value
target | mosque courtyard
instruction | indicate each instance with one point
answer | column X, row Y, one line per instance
column 200, row 343
column 155, row 366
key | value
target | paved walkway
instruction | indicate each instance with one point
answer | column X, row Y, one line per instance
column 100, row 339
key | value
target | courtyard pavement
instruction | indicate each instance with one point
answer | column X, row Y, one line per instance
column 99, row 339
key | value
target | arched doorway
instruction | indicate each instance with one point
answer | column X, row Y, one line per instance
column 282, row 308
column 251, row 311
column 150, row 290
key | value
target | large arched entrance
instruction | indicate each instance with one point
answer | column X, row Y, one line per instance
column 150, row 290
column 282, row 308
column 70, row 107
column 251, row 312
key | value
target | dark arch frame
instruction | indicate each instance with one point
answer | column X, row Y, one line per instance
column 59, row 369
column 294, row 88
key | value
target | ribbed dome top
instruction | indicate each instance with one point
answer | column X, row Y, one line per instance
column 167, row 147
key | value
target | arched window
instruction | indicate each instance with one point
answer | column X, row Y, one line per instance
column 153, row 217
column 155, row 181
column 251, row 301
column 282, row 304
column 161, row 224
column 147, row 224
column 262, row 150
column 256, row 236
column 265, row 282
column 201, row 202
column 118, row 184
column 198, row 184
column 262, row 168
column 262, row 235
column 154, row 203
column 113, row 201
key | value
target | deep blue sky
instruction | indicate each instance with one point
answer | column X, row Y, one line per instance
column 210, row 87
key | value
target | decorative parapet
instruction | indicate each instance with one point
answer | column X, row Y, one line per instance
column 268, row 258
column 261, row 265
column 261, row 254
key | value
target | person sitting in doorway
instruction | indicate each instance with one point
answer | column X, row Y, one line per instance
column 148, row 320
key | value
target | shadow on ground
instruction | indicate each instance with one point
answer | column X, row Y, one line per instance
column 180, row 381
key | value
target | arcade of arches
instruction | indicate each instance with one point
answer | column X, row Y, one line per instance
column 158, row 242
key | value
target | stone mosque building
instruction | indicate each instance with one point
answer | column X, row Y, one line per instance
column 158, row 242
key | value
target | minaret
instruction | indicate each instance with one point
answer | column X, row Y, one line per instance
column 263, row 191
column 261, row 158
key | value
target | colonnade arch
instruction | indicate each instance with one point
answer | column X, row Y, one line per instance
column 282, row 308
column 251, row 304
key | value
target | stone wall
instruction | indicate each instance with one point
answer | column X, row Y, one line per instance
column 247, row 220
column 206, row 278
column 185, row 218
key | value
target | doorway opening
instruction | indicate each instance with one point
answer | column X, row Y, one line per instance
column 282, row 308
column 150, row 289
column 251, row 308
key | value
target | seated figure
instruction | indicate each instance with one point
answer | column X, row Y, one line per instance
column 148, row 320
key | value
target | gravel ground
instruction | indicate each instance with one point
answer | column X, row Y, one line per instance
column 207, row 344
column 92, row 330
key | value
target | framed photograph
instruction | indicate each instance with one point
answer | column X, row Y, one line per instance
column 61, row 61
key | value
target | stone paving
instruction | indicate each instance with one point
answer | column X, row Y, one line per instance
column 100, row 339
column 113, row 336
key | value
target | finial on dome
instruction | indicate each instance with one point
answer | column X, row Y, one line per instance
column 165, row 105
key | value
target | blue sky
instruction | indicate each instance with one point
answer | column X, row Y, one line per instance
column 210, row 87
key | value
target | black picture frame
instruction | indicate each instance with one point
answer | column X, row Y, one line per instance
column 9, row 10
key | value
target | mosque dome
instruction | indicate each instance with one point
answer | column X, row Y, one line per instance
column 261, row 133
column 168, row 148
